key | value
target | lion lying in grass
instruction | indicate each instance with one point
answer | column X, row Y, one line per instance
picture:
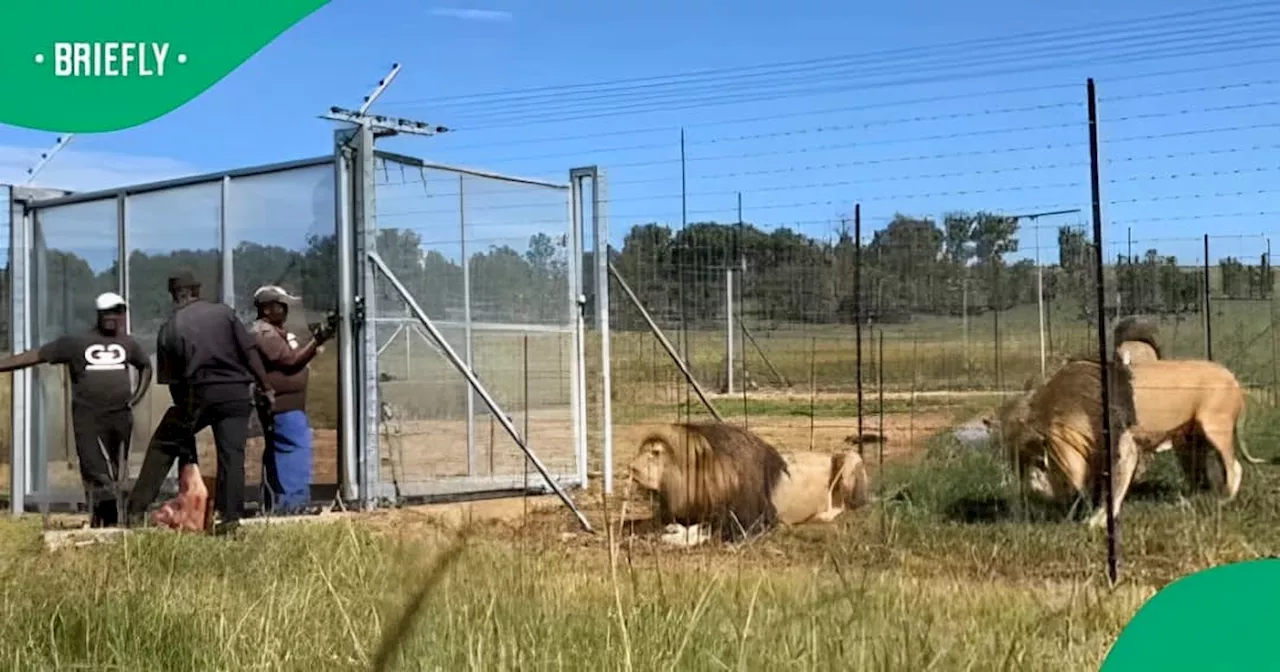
column 715, row 479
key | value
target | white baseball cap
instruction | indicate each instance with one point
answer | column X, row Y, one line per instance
column 273, row 294
column 109, row 301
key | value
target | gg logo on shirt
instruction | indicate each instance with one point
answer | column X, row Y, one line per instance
column 104, row 357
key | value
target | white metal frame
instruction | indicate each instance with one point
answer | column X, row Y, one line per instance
column 363, row 222
column 353, row 163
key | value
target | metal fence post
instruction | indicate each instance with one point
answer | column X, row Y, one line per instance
column 348, row 350
column 1100, row 281
column 468, row 343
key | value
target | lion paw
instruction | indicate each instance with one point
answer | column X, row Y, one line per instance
column 684, row 537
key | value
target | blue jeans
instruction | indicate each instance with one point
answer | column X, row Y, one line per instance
column 286, row 463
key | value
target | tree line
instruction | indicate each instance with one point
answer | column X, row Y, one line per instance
column 913, row 266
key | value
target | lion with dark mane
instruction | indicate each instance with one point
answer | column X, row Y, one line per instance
column 712, row 478
column 1136, row 340
column 1052, row 434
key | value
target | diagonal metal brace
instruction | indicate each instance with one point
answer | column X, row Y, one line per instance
column 666, row 344
column 477, row 386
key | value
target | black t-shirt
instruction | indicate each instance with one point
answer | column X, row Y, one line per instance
column 99, row 367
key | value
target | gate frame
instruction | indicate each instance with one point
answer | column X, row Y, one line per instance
column 356, row 159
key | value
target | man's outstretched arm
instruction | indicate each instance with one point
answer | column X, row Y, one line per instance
column 57, row 351
column 21, row 360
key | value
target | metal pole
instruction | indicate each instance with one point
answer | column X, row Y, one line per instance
column 1105, row 372
column 226, row 269
column 1039, row 295
column 1133, row 300
column 476, row 385
column 1205, row 305
column 728, row 330
column 600, row 243
column 347, row 349
column 370, row 408
column 466, row 323
column 666, row 345
column 1267, row 283
column 857, row 312
column 578, row 302
column 964, row 314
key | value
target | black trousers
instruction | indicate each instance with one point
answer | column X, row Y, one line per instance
column 102, row 444
column 175, row 439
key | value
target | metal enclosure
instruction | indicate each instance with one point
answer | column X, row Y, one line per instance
column 493, row 263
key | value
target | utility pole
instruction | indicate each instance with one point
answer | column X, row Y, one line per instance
column 1035, row 217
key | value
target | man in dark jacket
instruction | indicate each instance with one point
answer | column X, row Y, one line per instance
column 210, row 361
column 102, row 400
column 286, row 460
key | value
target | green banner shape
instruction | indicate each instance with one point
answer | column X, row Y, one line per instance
column 1222, row 618
column 88, row 66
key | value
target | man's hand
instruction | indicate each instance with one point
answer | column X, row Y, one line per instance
column 264, row 398
column 324, row 330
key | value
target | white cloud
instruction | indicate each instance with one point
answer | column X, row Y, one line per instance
column 76, row 170
column 473, row 14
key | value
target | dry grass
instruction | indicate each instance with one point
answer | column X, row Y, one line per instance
column 926, row 580
column 321, row 597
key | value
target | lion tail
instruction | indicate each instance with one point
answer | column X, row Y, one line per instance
column 1238, row 438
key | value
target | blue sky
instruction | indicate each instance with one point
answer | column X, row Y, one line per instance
column 1013, row 141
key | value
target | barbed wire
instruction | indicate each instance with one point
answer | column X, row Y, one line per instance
column 651, row 104
column 1123, row 28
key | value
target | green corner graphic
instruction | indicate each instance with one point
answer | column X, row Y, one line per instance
column 1221, row 618
column 86, row 66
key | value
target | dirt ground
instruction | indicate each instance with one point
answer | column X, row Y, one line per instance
column 417, row 451
column 546, row 517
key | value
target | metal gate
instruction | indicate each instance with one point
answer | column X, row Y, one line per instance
column 489, row 267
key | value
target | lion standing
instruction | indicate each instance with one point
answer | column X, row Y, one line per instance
column 1054, row 435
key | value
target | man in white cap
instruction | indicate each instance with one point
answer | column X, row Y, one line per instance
column 102, row 399
column 286, row 460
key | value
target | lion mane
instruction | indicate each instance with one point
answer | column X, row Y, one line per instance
column 711, row 474
column 1055, row 425
column 1135, row 330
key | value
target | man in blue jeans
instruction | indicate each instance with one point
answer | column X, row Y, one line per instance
column 286, row 460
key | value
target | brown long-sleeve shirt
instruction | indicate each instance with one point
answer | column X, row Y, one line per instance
column 287, row 366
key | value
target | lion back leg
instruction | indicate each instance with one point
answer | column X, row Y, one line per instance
column 848, row 486
column 1192, row 452
column 854, row 483
column 1221, row 435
